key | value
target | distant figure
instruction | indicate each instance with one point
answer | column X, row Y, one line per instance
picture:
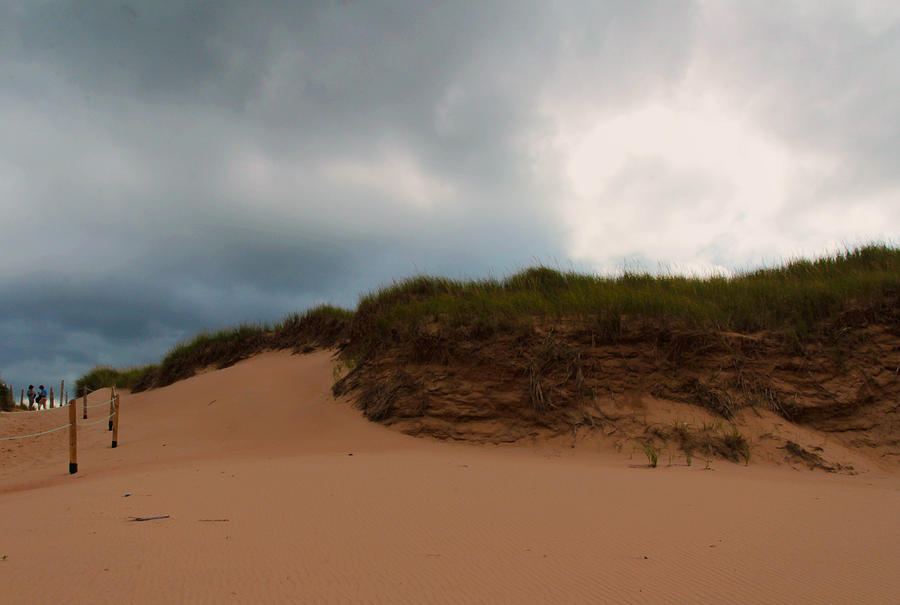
column 31, row 395
column 42, row 397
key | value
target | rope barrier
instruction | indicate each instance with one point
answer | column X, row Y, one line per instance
column 97, row 405
column 59, row 428
column 73, row 425
column 96, row 421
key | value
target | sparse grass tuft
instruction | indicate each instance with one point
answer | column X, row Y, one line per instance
column 651, row 452
column 737, row 446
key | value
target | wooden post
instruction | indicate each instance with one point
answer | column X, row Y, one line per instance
column 112, row 399
column 22, row 399
column 51, row 397
column 115, row 430
column 62, row 390
column 84, row 401
column 73, row 440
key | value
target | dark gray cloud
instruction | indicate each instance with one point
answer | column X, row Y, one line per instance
column 167, row 167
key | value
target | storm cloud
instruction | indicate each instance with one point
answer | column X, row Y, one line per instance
column 167, row 167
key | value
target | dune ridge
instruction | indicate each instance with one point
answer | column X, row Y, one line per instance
column 794, row 364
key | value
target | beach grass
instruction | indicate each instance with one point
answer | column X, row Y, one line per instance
column 796, row 298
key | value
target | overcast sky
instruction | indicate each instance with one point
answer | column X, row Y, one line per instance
column 167, row 167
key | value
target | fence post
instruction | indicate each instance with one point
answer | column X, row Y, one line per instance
column 112, row 398
column 62, row 389
column 22, row 399
column 73, row 440
column 115, row 430
column 51, row 397
column 84, row 400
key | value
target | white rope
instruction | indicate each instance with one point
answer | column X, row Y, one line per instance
column 97, row 405
column 59, row 428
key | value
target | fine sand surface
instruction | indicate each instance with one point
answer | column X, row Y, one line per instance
column 276, row 493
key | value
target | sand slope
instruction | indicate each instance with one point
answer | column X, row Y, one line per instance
column 252, row 464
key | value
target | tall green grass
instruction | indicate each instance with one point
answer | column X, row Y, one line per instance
column 797, row 297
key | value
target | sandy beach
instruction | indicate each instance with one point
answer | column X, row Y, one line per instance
column 274, row 492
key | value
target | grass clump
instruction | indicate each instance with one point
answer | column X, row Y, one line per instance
column 106, row 376
column 736, row 446
column 711, row 439
column 650, row 452
column 321, row 326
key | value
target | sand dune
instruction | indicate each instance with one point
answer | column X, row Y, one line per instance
column 276, row 493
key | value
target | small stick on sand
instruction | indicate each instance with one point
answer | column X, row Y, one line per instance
column 150, row 518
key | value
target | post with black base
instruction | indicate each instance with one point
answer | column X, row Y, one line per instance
column 112, row 398
column 73, row 440
column 115, row 430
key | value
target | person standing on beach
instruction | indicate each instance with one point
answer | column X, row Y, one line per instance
column 42, row 397
column 31, row 395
